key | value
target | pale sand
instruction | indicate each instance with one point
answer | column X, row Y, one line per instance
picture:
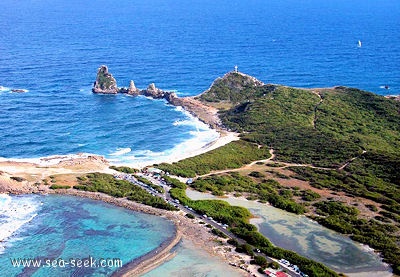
column 68, row 169
column 189, row 229
column 224, row 138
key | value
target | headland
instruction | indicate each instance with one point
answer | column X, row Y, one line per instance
column 241, row 97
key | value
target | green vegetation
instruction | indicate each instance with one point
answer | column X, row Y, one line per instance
column 309, row 195
column 124, row 169
column 303, row 129
column 190, row 216
column 106, row 183
column 358, row 180
column 335, row 208
column 59, row 187
column 150, row 184
column 234, row 88
column 104, row 79
column 219, row 233
column 232, row 155
column 260, row 260
column 267, row 191
column 237, row 220
column 328, row 128
column 342, row 218
column 245, row 248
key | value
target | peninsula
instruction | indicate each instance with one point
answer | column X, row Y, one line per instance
column 329, row 153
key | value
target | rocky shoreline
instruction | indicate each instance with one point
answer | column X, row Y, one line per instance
column 106, row 84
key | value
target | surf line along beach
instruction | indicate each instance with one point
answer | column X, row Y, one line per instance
column 186, row 228
column 32, row 175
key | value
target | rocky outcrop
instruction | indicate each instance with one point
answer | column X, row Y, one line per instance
column 154, row 92
column 393, row 97
column 105, row 83
column 132, row 90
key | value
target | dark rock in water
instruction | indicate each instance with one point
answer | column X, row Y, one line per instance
column 18, row 90
column 105, row 83
column 132, row 90
column 153, row 92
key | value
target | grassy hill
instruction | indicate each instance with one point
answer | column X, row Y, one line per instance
column 328, row 128
column 350, row 140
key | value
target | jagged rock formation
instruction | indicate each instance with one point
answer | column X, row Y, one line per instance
column 132, row 90
column 105, row 83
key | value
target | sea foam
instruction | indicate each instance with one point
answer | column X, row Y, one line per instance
column 16, row 212
column 4, row 89
column 200, row 137
column 121, row 151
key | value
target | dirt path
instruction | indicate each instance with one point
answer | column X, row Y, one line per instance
column 269, row 160
column 284, row 165
column 316, row 108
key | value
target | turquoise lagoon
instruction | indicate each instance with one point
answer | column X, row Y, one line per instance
column 66, row 227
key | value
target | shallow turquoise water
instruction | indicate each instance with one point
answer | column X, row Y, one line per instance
column 192, row 261
column 76, row 228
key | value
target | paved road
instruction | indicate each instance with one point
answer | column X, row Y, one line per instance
column 213, row 223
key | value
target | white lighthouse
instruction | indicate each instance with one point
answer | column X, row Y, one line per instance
column 236, row 69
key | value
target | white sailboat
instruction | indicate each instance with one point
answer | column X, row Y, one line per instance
column 359, row 43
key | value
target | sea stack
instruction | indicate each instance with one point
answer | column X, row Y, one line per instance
column 105, row 83
column 154, row 92
column 133, row 90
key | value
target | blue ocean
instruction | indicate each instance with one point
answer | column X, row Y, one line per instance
column 53, row 48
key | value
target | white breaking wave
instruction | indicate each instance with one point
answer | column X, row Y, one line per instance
column 4, row 88
column 200, row 138
column 15, row 212
column 182, row 122
column 121, row 151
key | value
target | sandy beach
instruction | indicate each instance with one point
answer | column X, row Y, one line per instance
column 189, row 229
column 36, row 176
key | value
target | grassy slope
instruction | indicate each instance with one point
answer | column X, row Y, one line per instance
column 327, row 128
column 232, row 155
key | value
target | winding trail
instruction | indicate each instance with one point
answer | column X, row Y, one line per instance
column 271, row 152
column 284, row 165
column 351, row 160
